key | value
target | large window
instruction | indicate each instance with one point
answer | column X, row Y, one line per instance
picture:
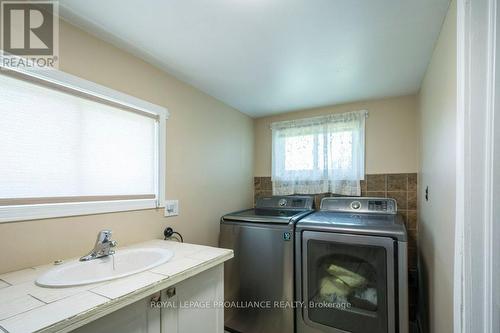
column 319, row 155
column 70, row 147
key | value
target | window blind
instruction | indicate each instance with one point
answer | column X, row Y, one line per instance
column 58, row 147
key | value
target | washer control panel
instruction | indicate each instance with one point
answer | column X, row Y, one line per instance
column 377, row 205
column 285, row 202
column 360, row 205
column 355, row 205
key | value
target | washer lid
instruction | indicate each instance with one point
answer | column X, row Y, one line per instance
column 266, row 215
column 386, row 225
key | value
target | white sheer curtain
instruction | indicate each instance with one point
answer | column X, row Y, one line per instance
column 319, row 155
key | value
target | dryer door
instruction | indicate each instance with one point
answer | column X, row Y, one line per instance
column 348, row 282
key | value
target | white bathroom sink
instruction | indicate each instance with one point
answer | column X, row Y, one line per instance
column 121, row 264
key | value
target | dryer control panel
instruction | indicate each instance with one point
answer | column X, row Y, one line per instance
column 359, row 205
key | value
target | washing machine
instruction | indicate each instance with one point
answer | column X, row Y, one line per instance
column 259, row 280
column 351, row 268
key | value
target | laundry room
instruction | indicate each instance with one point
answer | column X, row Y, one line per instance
column 249, row 166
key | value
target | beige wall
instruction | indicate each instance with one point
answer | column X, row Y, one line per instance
column 437, row 110
column 209, row 161
column 391, row 134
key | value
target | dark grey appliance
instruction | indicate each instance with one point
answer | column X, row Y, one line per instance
column 351, row 268
column 261, row 272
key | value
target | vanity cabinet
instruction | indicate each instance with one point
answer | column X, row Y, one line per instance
column 138, row 317
column 192, row 305
column 192, row 297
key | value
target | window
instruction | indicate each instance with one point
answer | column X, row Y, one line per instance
column 71, row 147
column 319, row 155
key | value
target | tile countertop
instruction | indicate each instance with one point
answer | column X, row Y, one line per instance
column 25, row 307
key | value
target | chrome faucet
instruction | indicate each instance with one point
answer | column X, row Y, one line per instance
column 103, row 246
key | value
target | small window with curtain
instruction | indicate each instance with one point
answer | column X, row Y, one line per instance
column 319, row 155
column 71, row 147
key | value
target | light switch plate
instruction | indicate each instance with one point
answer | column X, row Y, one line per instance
column 171, row 207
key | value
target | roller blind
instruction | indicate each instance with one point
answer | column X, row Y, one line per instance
column 56, row 146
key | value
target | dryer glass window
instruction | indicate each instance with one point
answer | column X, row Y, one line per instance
column 347, row 285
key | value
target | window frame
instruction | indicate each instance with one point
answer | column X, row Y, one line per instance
column 74, row 85
column 316, row 157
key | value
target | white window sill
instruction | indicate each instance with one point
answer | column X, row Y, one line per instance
column 34, row 212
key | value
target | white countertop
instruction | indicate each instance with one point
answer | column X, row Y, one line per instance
column 26, row 307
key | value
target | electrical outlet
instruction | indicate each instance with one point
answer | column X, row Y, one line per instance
column 171, row 207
